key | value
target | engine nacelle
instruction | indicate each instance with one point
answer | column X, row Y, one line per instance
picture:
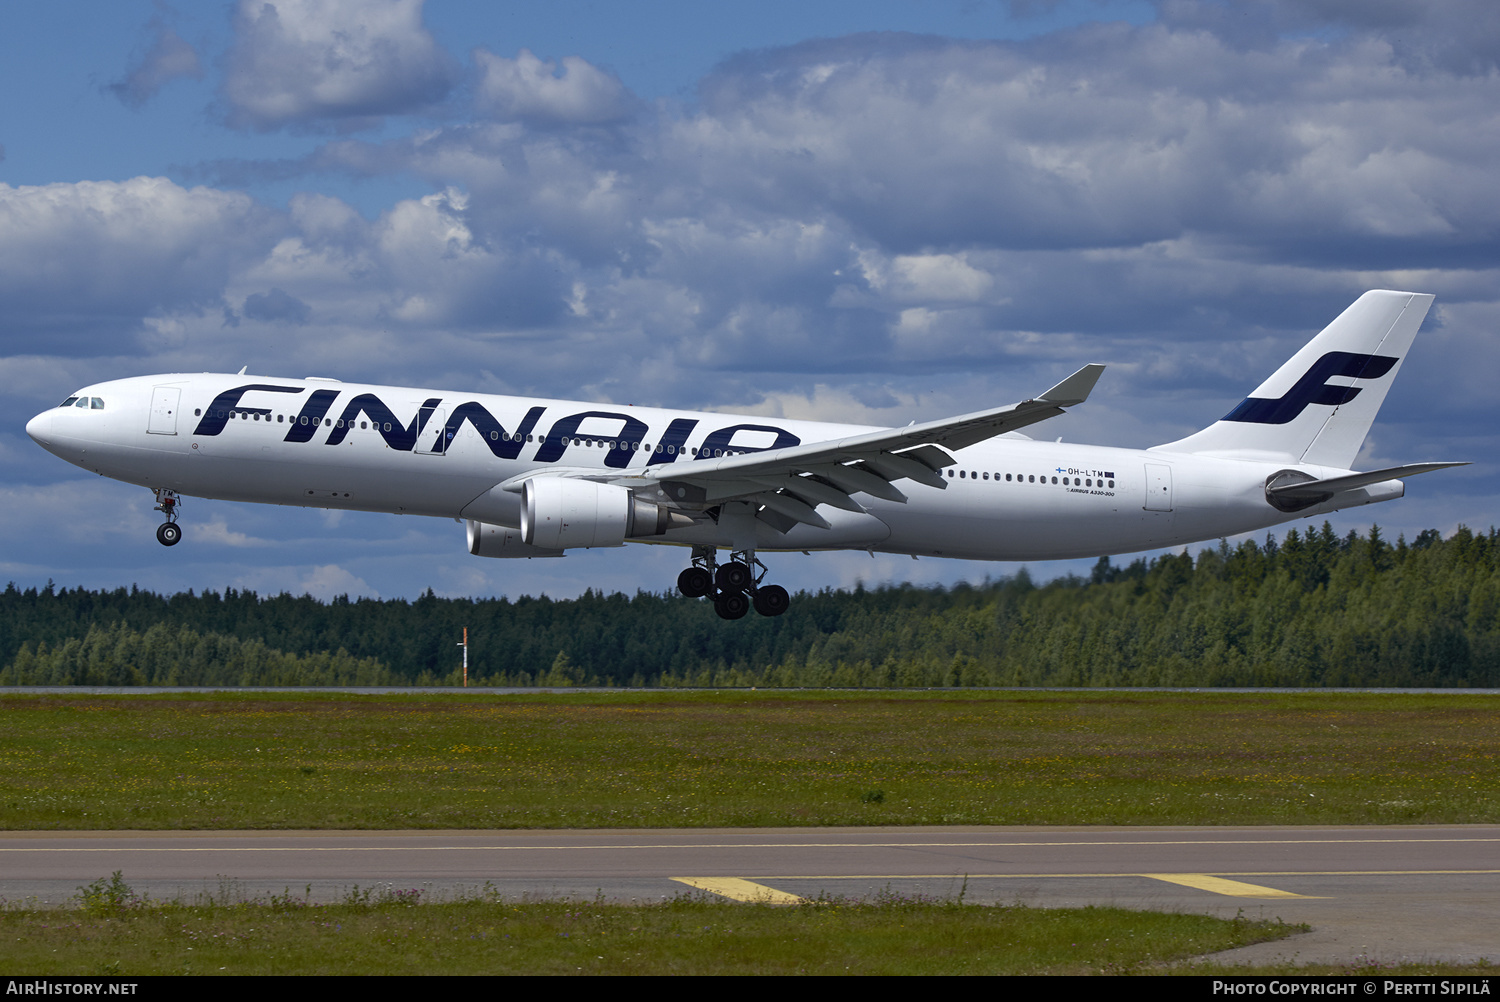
column 487, row 540
column 558, row 513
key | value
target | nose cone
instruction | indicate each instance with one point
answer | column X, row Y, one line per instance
column 40, row 429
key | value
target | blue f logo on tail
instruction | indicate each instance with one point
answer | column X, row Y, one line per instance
column 1313, row 388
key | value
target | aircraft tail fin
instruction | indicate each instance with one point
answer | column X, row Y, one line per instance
column 1318, row 407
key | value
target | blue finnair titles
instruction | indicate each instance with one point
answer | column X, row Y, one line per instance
column 619, row 433
column 535, row 478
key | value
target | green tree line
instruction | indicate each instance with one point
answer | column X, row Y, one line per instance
column 1312, row 609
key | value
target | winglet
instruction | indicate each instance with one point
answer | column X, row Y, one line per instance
column 1076, row 388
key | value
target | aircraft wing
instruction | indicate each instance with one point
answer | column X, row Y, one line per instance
column 789, row 484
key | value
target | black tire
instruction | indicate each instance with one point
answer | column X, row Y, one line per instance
column 772, row 600
column 168, row 534
column 695, row 582
column 732, row 605
column 733, row 576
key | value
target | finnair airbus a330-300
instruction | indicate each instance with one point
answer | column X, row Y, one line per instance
column 535, row 478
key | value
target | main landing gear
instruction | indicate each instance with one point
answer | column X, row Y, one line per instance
column 167, row 502
column 734, row 586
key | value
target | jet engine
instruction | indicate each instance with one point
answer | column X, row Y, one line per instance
column 557, row 513
column 486, row 540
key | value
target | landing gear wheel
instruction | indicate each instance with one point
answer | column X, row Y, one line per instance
column 732, row 605
column 772, row 600
column 733, row 576
column 168, row 534
column 695, row 582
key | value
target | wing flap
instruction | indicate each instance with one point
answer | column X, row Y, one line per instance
column 854, row 480
column 792, row 508
column 894, row 466
column 812, row 491
column 929, row 456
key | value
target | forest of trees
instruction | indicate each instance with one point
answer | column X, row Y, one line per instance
column 1313, row 609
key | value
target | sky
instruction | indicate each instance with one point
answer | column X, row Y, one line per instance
column 875, row 212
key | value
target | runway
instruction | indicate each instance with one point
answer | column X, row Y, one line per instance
column 1370, row 893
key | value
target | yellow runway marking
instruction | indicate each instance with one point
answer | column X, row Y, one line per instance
column 1219, row 885
column 741, row 890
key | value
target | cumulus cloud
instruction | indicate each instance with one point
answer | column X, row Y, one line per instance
column 276, row 306
column 93, row 258
column 1457, row 36
column 960, row 222
column 528, row 88
column 216, row 531
column 168, row 57
column 322, row 581
column 846, row 204
column 419, row 266
column 91, row 513
column 340, row 63
column 329, row 580
column 1107, row 136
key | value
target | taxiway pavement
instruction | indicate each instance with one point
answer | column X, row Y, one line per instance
column 1371, row 894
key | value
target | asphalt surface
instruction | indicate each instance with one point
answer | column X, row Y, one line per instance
column 1371, row 894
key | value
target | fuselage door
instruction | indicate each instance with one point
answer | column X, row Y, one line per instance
column 1158, row 487
column 163, row 419
column 432, row 438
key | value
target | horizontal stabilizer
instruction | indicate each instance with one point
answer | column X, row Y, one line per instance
column 1333, row 485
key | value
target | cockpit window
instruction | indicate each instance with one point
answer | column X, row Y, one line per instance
column 86, row 403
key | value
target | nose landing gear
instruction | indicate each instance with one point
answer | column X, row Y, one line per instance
column 734, row 586
column 167, row 502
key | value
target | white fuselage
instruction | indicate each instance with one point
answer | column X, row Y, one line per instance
column 327, row 444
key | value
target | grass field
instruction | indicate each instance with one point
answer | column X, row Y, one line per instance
column 116, row 934
column 673, row 759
